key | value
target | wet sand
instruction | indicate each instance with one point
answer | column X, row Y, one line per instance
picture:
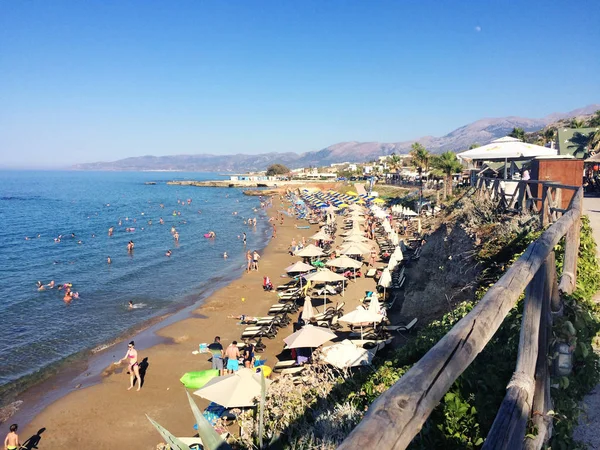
column 107, row 415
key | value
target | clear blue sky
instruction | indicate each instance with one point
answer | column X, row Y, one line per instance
column 90, row 80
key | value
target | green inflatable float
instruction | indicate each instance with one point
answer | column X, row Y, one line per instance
column 196, row 380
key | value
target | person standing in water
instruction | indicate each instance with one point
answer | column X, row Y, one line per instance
column 134, row 368
column 130, row 247
column 108, row 260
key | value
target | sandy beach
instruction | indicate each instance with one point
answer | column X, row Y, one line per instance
column 107, row 415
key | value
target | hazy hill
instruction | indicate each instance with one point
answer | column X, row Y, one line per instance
column 481, row 131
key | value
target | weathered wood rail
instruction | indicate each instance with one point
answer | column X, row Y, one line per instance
column 398, row 415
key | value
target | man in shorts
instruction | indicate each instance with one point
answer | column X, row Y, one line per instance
column 233, row 353
column 217, row 355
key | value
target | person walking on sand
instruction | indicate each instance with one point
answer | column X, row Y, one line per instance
column 233, row 354
column 249, row 261
column 372, row 257
column 217, row 355
column 255, row 258
column 12, row 438
column 134, row 368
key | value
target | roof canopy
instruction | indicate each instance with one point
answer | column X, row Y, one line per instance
column 506, row 148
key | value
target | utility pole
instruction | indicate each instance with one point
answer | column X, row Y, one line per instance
column 420, row 170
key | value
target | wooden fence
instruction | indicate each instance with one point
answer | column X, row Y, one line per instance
column 398, row 415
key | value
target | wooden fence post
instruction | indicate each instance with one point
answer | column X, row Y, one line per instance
column 542, row 401
column 568, row 279
column 508, row 429
column 544, row 217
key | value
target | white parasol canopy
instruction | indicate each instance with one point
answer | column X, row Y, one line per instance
column 321, row 236
column 375, row 306
column 326, row 276
column 344, row 262
column 233, row 391
column 361, row 316
column 310, row 251
column 355, row 238
column 354, row 231
column 309, row 336
column 345, row 354
column 307, row 310
column 507, row 148
column 355, row 248
column 299, row 267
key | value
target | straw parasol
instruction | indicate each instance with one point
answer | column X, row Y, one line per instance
column 309, row 336
column 233, row 391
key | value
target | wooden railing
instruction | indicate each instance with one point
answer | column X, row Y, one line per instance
column 398, row 415
column 543, row 197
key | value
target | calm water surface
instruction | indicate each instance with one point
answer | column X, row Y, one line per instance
column 38, row 327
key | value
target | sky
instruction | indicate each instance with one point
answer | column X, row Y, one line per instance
column 88, row 80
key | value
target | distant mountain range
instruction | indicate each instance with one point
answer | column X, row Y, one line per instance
column 482, row 132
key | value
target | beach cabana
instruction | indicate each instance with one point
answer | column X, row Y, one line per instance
column 233, row 391
column 309, row 336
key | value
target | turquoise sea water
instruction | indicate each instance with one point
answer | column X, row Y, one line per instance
column 38, row 327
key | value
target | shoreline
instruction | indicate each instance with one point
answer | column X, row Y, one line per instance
column 118, row 415
column 38, row 390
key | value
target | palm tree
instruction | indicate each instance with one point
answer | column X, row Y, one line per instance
column 394, row 162
column 577, row 123
column 419, row 157
column 449, row 164
column 518, row 133
column 547, row 136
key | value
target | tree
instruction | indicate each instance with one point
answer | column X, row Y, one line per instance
column 277, row 169
column 518, row 133
column 595, row 119
column 419, row 157
column 547, row 136
column 577, row 123
column 394, row 162
column 449, row 164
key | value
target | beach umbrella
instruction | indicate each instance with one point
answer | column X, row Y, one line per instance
column 354, row 231
column 345, row 262
column 379, row 201
column 358, row 219
column 331, row 209
column 309, row 336
column 361, row 316
column 299, row 267
column 346, row 354
column 355, row 238
column 321, row 236
column 385, row 280
column 352, row 193
column 394, row 238
column 310, row 251
column 307, row 310
column 409, row 212
column 374, row 305
column 398, row 253
column 326, row 276
column 233, row 391
column 355, row 248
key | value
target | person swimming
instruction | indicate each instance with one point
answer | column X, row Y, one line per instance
column 108, row 260
column 130, row 304
column 225, row 255
column 169, row 253
column 40, row 286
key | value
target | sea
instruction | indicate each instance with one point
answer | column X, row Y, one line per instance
column 54, row 227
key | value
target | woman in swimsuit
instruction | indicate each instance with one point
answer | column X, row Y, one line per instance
column 134, row 368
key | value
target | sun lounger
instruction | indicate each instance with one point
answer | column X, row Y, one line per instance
column 401, row 328
column 281, row 365
column 267, row 331
column 370, row 273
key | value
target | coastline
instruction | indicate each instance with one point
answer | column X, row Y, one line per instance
column 118, row 415
column 168, row 345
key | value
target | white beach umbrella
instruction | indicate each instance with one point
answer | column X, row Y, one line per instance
column 355, row 238
column 409, row 212
column 361, row 316
column 321, row 236
column 307, row 310
column 394, row 238
column 326, row 276
column 233, row 391
column 346, row 354
column 344, row 262
column 354, row 231
column 299, row 267
column 309, row 336
column 398, row 253
column 385, row 280
column 506, row 148
column 392, row 263
column 386, row 226
column 310, row 251
column 355, row 248
column 375, row 305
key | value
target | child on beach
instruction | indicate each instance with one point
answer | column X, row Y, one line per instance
column 12, row 438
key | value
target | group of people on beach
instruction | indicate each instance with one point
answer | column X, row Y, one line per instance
column 252, row 260
column 228, row 360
